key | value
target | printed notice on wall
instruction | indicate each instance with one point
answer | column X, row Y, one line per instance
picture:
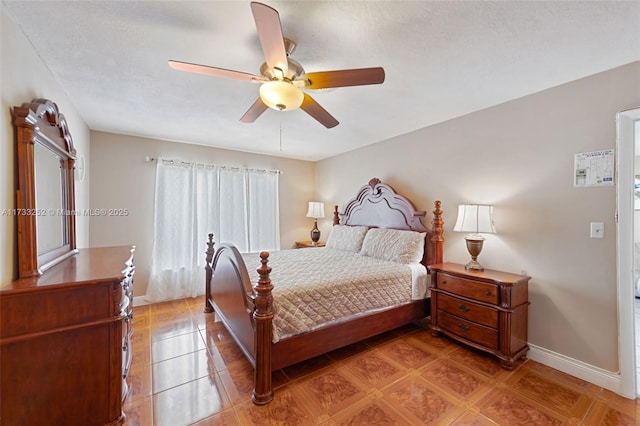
column 594, row 168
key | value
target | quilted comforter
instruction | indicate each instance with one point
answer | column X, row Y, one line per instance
column 313, row 287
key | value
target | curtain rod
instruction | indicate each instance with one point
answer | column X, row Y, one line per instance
column 189, row 163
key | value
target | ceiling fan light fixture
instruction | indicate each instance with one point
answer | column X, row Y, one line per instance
column 281, row 95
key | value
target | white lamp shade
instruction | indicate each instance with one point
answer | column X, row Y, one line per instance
column 475, row 218
column 281, row 95
column 316, row 210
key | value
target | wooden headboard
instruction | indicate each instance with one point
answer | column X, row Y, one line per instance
column 378, row 205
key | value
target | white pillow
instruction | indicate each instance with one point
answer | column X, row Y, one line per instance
column 394, row 245
column 347, row 238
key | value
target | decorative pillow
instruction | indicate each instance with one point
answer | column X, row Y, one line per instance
column 394, row 245
column 347, row 238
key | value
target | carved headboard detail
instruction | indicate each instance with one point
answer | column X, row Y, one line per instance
column 379, row 205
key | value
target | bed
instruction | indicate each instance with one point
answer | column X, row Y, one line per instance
column 276, row 324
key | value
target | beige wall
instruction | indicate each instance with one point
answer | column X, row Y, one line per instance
column 519, row 157
column 121, row 178
column 23, row 77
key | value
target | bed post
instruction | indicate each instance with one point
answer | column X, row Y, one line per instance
column 438, row 232
column 209, row 274
column 336, row 215
column 263, row 316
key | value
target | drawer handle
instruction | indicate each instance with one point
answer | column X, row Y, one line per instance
column 443, row 282
column 463, row 327
column 463, row 307
column 487, row 293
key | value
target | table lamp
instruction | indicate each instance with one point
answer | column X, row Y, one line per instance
column 316, row 211
column 475, row 219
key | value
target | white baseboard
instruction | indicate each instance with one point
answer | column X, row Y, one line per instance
column 607, row 379
column 140, row 301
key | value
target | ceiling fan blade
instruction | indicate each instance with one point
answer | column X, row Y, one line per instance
column 343, row 78
column 213, row 71
column 270, row 34
column 314, row 109
column 254, row 112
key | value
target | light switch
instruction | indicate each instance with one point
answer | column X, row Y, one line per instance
column 597, row 230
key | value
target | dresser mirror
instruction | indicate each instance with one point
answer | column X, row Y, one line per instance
column 49, row 171
column 45, row 203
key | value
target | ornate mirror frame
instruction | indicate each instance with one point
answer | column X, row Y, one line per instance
column 40, row 122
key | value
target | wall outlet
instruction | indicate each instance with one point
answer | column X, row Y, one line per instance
column 597, row 230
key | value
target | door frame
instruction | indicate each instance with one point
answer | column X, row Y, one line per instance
column 625, row 147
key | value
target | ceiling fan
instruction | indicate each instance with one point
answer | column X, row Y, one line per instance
column 282, row 79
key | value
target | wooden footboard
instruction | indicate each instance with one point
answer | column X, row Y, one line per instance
column 245, row 310
column 230, row 295
column 263, row 317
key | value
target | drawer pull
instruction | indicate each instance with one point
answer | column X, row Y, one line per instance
column 463, row 327
column 487, row 293
column 463, row 307
column 443, row 282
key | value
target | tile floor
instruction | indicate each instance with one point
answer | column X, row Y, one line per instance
column 187, row 370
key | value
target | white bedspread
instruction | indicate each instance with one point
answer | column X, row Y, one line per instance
column 316, row 286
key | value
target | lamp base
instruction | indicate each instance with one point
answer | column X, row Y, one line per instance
column 315, row 233
column 474, row 246
column 473, row 265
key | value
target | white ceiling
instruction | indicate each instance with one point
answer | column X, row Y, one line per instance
column 443, row 59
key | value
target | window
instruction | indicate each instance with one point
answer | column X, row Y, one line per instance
column 239, row 206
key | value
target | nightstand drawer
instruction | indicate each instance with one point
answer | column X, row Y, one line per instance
column 473, row 332
column 467, row 310
column 472, row 289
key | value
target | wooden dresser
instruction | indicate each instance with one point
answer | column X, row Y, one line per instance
column 65, row 341
column 484, row 309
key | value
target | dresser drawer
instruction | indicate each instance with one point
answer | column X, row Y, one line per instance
column 468, row 310
column 467, row 288
column 471, row 331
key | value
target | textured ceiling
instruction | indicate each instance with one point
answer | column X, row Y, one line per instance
column 443, row 59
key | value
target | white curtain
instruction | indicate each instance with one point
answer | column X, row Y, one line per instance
column 238, row 206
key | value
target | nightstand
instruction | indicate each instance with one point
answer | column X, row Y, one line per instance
column 308, row 244
column 484, row 309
